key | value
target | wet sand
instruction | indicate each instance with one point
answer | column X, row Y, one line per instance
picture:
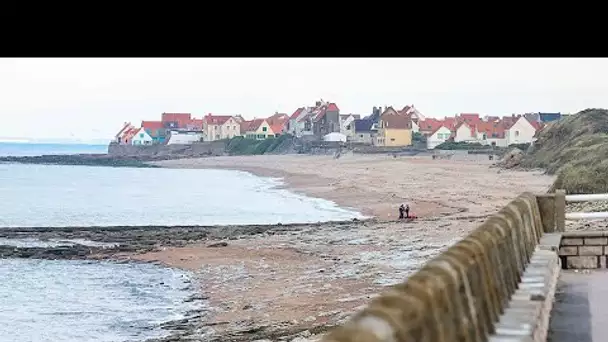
column 302, row 281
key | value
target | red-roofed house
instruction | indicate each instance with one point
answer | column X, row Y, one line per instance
column 522, row 131
column 176, row 120
column 326, row 119
column 465, row 132
column 279, row 123
column 128, row 135
column 491, row 133
column 438, row 136
column 429, row 126
column 156, row 130
column 470, row 118
column 218, row 127
column 126, row 126
column 258, row 129
column 195, row 125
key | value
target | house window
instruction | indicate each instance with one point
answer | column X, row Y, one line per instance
column 264, row 129
column 262, row 136
column 141, row 135
column 360, row 135
column 392, row 139
column 516, row 133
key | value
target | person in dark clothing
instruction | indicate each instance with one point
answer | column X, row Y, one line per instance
column 401, row 211
column 407, row 210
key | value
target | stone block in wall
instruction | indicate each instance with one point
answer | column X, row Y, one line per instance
column 572, row 241
column 603, row 261
column 597, row 241
column 590, row 250
column 568, row 250
column 582, row 262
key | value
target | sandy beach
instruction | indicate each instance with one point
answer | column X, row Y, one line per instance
column 300, row 281
column 377, row 185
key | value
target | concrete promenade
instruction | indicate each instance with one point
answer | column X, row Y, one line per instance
column 579, row 313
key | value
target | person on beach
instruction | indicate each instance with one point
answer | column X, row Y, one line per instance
column 407, row 210
column 401, row 211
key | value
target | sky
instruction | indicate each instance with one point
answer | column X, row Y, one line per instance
column 90, row 98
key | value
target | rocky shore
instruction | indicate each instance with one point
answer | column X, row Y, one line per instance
column 82, row 159
column 274, row 282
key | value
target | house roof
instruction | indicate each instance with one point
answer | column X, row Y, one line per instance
column 130, row 133
column 296, row 113
column 405, row 110
column 545, row 117
column 430, row 125
column 492, row 129
column 332, row 107
column 152, row 125
column 182, row 119
column 195, row 124
column 318, row 115
column 363, row 125
column 440, row 127
column 396, row 121
column 252, row 125
column 277, row 118
column 537, row 125
column 245, row 126
column 126, row 126
column 277, row 128
column 211, row 119
column 277, row 122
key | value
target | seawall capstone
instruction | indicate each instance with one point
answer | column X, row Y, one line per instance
column 461, row 294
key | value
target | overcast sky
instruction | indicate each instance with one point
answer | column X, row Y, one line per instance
column 91, row 98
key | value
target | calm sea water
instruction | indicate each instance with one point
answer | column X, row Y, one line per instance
column 24, row 149
column 92, row 301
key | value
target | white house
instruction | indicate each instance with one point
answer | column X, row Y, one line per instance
column 347, row 124
column 438, row 137
column 521, row 132
column 300, row 122
column 184, row 137
column 141, row 137
column 465, row 133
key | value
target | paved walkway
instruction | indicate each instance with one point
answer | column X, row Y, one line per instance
column 580, row 311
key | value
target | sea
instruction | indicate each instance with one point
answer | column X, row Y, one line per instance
column 52, row 300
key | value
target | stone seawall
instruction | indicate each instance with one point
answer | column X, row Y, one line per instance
column 498, row 283
column 584, row 250
column 210, row 148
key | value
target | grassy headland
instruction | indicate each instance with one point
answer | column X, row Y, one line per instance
column 576, row 150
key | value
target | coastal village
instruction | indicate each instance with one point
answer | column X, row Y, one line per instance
column 387, row 126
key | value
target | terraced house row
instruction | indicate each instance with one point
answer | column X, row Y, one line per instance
column 323, row 121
